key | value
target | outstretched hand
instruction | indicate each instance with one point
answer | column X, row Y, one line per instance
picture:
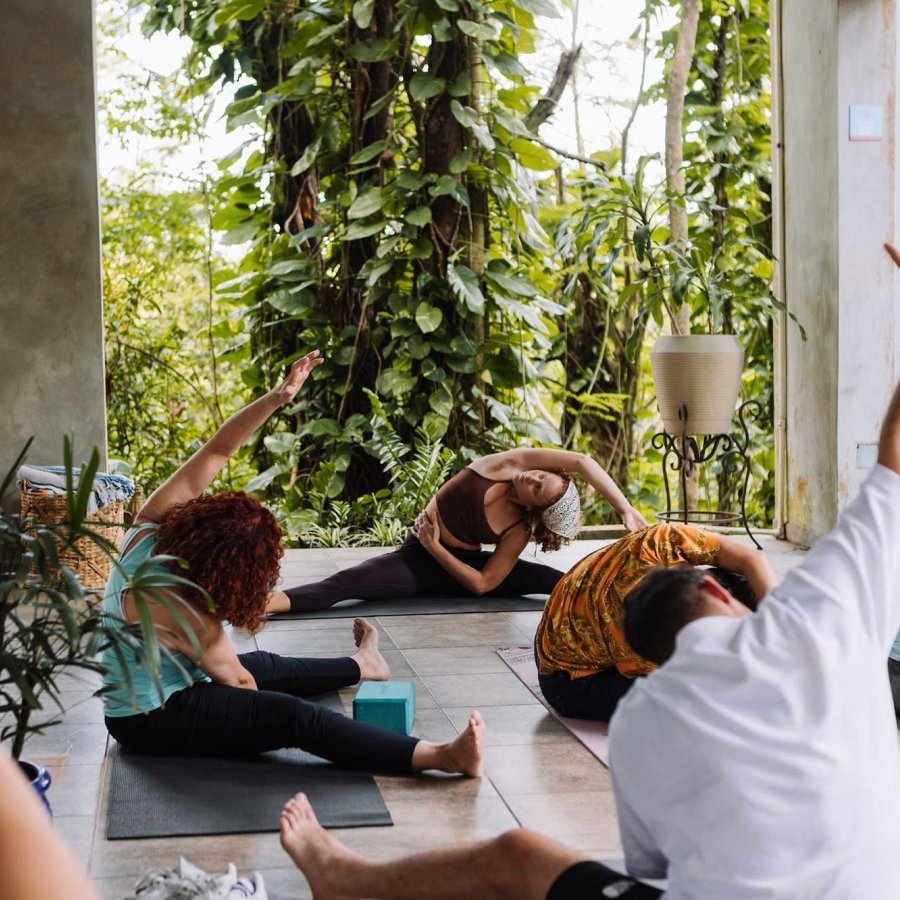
column 633, row 520
column 300, row 370
column 893, row 252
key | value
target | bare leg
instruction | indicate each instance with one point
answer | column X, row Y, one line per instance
column 465, row 755
column 372, row 665
column 35, row 862
column 519, row 865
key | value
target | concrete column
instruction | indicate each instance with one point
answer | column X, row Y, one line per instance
column 51, row 316
column 839, row 205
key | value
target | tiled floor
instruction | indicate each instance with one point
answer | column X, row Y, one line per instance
column 536, row 774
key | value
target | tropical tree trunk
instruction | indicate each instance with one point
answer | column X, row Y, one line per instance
column 675, row 178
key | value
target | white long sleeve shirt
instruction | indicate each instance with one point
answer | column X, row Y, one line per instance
column 761, row 761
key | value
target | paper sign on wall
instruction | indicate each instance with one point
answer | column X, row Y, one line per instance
column 866, row 123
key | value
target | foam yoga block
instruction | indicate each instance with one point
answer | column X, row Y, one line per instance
column 390, row 704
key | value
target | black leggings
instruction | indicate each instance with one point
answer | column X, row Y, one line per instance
column 411, row 571
column 590, row 697
column 592, row 880
column 217, row 720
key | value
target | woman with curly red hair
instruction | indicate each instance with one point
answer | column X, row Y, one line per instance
column 210, row 700
column 506, row 499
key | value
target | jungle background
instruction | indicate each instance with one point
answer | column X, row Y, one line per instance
column 381, row 179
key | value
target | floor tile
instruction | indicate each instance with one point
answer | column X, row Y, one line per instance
column 426, row 634
column 508, row 725
column 544, row 769
column 78, row 832
column 74, row 789
column 79, row 708
column 67, row 744
column 455, row 661
column 499, row 689
column 584, row 820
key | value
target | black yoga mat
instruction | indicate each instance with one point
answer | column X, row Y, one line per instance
column 420, row 606
column 167, row 796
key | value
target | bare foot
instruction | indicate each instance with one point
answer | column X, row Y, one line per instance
column 372, row 665
column 278, row 602
column 466, row 754
column 323, row 860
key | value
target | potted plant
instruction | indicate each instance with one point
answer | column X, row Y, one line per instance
column 697, row 377
column 48, row 622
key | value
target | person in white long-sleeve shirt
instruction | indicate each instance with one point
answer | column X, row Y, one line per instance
column 761, row 759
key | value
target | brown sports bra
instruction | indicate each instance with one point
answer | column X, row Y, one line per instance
column 460, row 503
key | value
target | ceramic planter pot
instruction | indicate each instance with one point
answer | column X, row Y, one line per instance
column 702, row 371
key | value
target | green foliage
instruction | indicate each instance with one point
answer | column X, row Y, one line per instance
column 388, row 216
column 165, row 329
column 382, row 518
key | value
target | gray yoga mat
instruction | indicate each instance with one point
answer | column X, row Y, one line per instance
column 420, row 606
column 167, row 796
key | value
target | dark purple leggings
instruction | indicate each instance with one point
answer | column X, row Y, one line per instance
column 411, row 571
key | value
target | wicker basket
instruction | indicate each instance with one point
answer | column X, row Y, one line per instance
column 88, row 561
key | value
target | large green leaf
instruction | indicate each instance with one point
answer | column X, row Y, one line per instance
column 359, row 230
column 464, row 283
column 365, row 204
column 419, row 216
column 363, row 10
column 423, row 86
column 533, row 156
column 376, row 148
column 428, row 317
column 308, row 157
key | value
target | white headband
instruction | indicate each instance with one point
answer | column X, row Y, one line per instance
column 564, row 516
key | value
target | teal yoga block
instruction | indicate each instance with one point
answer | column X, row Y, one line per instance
column 390, row 704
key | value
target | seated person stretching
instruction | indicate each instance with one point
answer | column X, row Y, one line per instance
column 506, row 499
column 585, row 665
column 218, row 702
column 779, row 776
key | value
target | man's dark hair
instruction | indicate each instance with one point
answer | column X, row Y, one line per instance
column 663, row 602
column 666, row 599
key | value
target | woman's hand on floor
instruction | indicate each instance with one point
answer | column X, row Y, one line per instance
column 633, row 520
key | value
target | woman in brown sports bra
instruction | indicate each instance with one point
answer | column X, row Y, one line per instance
column 505, row 499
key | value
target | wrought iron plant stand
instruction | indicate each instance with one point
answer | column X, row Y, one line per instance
column 683, row 452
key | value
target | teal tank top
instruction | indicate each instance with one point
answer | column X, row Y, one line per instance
column 140, row 544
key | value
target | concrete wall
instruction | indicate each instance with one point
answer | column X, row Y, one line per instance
column 51, row 318
column 838, row 207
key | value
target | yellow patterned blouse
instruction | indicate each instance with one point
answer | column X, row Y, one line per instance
column 580, row 632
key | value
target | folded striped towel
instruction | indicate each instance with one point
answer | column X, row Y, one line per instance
column 52, row 479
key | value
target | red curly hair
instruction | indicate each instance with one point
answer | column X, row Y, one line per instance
column 232, row 545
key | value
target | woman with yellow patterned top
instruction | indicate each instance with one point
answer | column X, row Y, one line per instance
column 585, row 665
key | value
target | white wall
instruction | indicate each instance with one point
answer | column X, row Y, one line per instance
column 839, row 206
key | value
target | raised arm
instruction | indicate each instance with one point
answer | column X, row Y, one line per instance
column 194, row 476
column 889, row 442
column 854, row 572
column 523, row 458
column 748, row 562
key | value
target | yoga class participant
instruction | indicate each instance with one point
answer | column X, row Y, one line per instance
column 780, row 776
column 585, row 665
column 212, row 700
column 506, row 499
column 517, row 865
